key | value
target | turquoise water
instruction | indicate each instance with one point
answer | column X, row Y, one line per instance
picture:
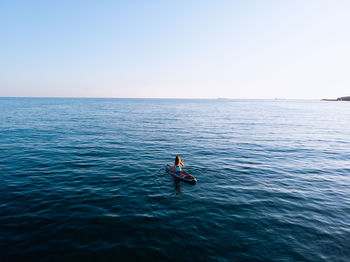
column 85, row 180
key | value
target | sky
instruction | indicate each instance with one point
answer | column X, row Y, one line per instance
column 294, row 49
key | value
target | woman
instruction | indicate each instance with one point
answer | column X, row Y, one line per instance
column 178, row 162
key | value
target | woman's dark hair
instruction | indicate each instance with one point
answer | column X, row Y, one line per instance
column 177, row 160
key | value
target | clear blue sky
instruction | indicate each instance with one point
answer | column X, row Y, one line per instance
column 191, row 49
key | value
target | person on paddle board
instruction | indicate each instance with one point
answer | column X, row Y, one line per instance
column 178, row 162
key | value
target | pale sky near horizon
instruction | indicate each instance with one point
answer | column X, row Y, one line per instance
column 175, row 49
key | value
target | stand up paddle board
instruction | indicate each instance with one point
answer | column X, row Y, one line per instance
column 182, row 175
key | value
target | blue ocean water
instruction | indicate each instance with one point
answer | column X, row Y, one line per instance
column 85, row 180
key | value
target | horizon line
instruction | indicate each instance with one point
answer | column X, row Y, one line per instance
column 184, row 98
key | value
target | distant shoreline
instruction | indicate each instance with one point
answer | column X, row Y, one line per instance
column 344, row 98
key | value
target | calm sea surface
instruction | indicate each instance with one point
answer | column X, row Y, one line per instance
column 84, row 180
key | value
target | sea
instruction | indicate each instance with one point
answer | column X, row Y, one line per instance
column 83, row 179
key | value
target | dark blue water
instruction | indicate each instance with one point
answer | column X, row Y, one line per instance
column 84, row 180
